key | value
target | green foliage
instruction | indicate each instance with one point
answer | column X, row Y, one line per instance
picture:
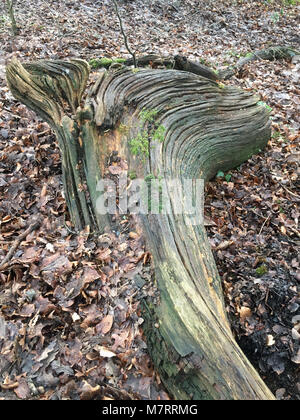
column 261, row 103
column 233, row 53
column 139, row 145
column 275, row 17
column 159, row 133
column 149, row 177
column 290, row 2
column 170, row 66
column 205, row 62
column 261, row 270
column 148, row 114
column 284, row 2
column 132, row 175
column 96, row 63
column 221, row 174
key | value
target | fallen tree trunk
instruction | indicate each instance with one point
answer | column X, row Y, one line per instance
column 270, row 54
column 203, row 128
column 176, row 63
column 182, row 63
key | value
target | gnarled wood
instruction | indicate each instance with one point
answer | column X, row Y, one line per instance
column 206, row 128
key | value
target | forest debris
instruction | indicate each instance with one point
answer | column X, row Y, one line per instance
column 4, row 264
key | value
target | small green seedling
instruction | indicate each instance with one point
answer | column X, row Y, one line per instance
column 132, row 175
column 148, row 114
column 261, row 270
column 221, row 174
column 139, row 145
column 159, row 133
column 261, row 103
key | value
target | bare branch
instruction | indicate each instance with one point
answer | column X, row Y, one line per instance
column 10, row 9
column 124, row 35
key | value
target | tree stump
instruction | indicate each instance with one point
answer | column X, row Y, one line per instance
column 206, row 128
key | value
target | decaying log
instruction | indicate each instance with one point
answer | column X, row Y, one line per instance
column 182, row 63
column 270, row 54
column 176, row 63
column 146, row 60
column 207, row 128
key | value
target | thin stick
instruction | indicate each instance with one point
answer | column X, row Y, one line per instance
column 266, row 219
column 124, row 35
column 17, row 242
column 290, row 192
column 10, row 9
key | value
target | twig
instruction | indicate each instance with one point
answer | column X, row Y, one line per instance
column 14, row 115
column 124, row 35
column 290, row 192
column 10, row 9
column 266, row 219
column 17, row 242
column 42, row 133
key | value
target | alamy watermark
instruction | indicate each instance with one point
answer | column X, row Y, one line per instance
column 152, row 195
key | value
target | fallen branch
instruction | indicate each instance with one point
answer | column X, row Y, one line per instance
column 270, row 54
column 176, row 63
column 182, row 63
column 17, row 242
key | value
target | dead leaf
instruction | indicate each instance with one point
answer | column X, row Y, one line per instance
column 103, row 254
column 105, row 325
column 22, row 391
column 133, row 235
column 270, row 340
column 244, row 312
column 104, row 352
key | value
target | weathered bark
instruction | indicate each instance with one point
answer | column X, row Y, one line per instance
column 207, row 128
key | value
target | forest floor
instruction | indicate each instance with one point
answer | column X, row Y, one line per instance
column 70, row 320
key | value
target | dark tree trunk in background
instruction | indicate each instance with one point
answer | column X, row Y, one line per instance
column 207, row 128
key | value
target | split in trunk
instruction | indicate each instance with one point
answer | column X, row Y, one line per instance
column 206, row 128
